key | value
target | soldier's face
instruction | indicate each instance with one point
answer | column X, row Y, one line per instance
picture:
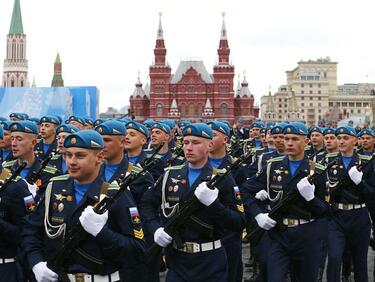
column 316, row 139
column 77, row 124
column 6, row 142
column 22, row 143
column 278, row 140
column 196, row 149
column 60, row 141
column 47, row 130
column 255, row 133
column 83, row 164
column 158, row 136
column 346, row 143
column 113, row 146
column 219, row 141
column 330, row 142
column 294, row 144
column 368, row 142
column 134, row 139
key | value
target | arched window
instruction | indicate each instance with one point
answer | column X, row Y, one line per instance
column 159, row 110
column 224, row 109
column 12, row 83
column 138, row 110
column 200, row 109
column 191, row 110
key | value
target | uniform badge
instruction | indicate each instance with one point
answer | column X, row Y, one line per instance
column 278, row 171
column 134, row 215
column 60, row 197
column 69, row 198
column 335, row 171
column 237, row 193
column 170, row 188
column 100, row 129
column 279, row 178
column 29, row 203
column 274, row 178
column 183, row 181
column 175, row 188
column 73, row 140
column 60, row 207
column 175, row 181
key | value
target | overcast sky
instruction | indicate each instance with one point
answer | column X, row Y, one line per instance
column 105, row 43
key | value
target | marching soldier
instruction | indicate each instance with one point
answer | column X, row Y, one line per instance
column 16, row 202
column 58, row 160
column 114, row 240
column 47, row 131
column 350, row 223
column 18, row 116
column 316, row 152
column 298, row 247
column 76, row 121
column 135, row 138
column 219, row 159
column 367, row 142
column 6, row 143
column 201, row 256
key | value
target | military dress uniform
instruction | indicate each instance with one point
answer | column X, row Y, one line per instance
column 201, row 256
column 298, row 244
column 349, row 223
column 115, row 253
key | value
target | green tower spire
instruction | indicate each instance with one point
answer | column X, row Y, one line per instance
column 16, row 26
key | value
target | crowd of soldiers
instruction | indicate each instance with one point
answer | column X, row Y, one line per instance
column 116, row 200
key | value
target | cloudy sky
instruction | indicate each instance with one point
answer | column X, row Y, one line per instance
column 106, row 43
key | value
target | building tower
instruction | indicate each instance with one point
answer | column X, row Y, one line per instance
column 15, row 64
column 57, row 80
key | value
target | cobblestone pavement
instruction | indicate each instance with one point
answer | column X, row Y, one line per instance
column 246, row 254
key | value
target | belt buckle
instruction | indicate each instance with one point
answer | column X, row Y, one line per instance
column 189, row 247
column 345, row 206
column 79, row 277
column 290, row 221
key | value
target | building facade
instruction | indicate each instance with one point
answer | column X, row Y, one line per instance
column 192, row 92
column 312, row 95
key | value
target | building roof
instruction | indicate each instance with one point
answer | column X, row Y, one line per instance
column 245, row 91
column 138, row 91
column 184, row 66
column 16, row 26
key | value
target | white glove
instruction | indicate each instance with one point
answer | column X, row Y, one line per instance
column 43, row 273
column 261, row 195
column 206, row 195
column 355, row 175
column 264, row 221
column 92, row 222
column 306, row 189
column 162, row 238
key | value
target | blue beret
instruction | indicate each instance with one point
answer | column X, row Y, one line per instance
column 315, row 129
column 6, row 124
column 199, row 130
column 220, row 126
column 24, row 126
column 270, row 124
column 162, row 126
column 346, row 130
column 170, row 122
column 329, row 131
column 50, row 119
column 366, row 131
column 111, row 127
column 183, row 123
column 81, row 120
column 67, row 128
column 125, row 120
column 295, row 128
column 88, row 139
column 149, row 122
column 98, row 121
column 3, row 119
column 21, row 116
column 258, row 124
column 1, row 132
column 263, row 130
column 34, row 120
column 89, row 121
column 278, row 128
column 139, row 127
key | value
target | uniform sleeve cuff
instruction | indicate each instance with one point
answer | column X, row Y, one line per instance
column 34, row 258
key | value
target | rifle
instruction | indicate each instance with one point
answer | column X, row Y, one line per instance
column 13, row 176
column 77, row 234
column 345, row 181
column 189, row 207
column 34, row 175
column 285, row 204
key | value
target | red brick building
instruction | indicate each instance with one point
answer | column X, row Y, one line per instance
column 191, row 92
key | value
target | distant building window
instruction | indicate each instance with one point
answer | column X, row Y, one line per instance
column 319, row 105
column 159, row 88
column 351, row 104
column 138, row 110
column 330, row 104
column 319, row 85
column 21, row 83
column 302, row 98
column 280, row 100
column 280, row 106
column 319, row 111
column 325, row 74
column 183, row 109
column 302, row 104
column 191, row 89
column 302, row 110
column 365, row 104
column 224, row 109
column 359, row 111
column 344, row 104
column 310, row 85
column 358, row 104
column 319, row 92
column 311, row 98
column 311, row 104
column 200, row 109
column 12, row 83
column 319, row 98
column 302, row 92
column 302, row 85
column 159, row 110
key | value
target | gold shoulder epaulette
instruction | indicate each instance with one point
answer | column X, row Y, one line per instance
column 364, row 157
column 277, row 159
column 9, row 163
column 320, row 166
column 330, row 155
column 50, row 169
column 60, row 177
column 174, row 167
